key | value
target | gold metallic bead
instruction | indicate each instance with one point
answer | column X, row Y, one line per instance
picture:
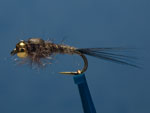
column 22, row 44
column 22, row 54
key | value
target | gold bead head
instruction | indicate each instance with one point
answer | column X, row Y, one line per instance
column 21, row 50
column 22, row 53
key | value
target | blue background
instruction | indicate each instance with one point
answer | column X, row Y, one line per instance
column 80, row 23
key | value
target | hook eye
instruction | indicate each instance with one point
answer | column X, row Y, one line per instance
column 13, row 52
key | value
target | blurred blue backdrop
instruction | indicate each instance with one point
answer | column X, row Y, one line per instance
column 80, row 23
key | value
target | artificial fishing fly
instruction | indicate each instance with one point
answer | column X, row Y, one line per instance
column 36, row 49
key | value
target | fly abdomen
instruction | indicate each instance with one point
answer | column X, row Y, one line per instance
column 60, row 48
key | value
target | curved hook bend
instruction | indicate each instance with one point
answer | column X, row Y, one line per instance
column 78, row 71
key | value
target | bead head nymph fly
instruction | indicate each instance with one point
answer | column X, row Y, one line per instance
column 36, row 49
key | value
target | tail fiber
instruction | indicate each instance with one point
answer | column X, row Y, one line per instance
column 110, row 55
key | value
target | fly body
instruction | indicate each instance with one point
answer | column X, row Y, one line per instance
column 36, row 49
